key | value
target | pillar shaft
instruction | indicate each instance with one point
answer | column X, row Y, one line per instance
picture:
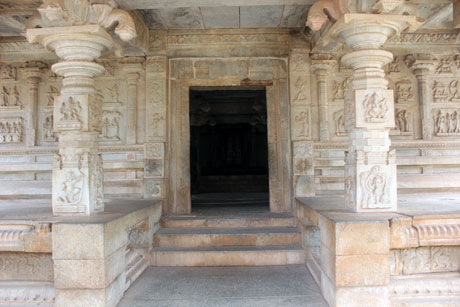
column 320, row 65
column 33, row 80
column 422, row 70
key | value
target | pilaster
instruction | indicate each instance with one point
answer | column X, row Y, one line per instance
column 321, row 63
column 32, row 73
column 422, row 66
column 132, row 67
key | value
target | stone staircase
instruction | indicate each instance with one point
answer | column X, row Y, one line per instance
column 272, row 239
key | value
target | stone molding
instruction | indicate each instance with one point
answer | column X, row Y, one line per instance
column 30, row 293
column 26, row 237
column 426, row 287
column 431, row 232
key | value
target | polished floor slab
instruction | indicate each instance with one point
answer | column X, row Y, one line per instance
column 266, row 286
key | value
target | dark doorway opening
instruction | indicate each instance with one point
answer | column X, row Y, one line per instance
column 228, row 146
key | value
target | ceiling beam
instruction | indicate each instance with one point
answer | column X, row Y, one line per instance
column 161, row 4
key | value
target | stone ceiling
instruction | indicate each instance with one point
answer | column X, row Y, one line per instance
column 217, row 14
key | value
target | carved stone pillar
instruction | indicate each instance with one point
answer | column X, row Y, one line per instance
column 75, row 31
column 370, row 168
column 132, row 67
column 422, row 65
column 320, row 65
column 33, row 76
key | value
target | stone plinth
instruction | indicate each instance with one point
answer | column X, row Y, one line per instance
column 384, row 259
column 93, row 256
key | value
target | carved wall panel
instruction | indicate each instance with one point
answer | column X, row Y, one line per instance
column 425, row 260
column 110, row 126
column 446, row 122
column 156, row 98
column 300, row 95
column 11, row 130
column 26, row 266
column 10, row 99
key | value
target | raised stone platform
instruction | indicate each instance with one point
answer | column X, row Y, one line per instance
column 411, row 256
column 73, row 260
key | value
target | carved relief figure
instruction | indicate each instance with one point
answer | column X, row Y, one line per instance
column 375, row 108
column 444, row 66
column 48, row 133
column 339, row 119
column 110, row 125
column 373, row 188
column 404, row 92
column 157, row 119
column 11, row 130
column 454, row 91
column 9, row 72
column 71, row 190
column 300, row 90
column 394, row 65
column 70, row 110
column 439, row 92
column 302, row 124
column 402, row 120
column 4, row 97
column 340, row 89
column 447, row 122
column 110, row 94
column 53, row 92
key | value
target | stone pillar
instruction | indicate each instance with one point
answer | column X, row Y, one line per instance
column 33, row 79
column 77, row 168
column 370, row 167
column 132, row 67
column 422, row 65
column 320, row 65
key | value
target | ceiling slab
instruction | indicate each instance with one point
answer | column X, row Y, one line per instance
column 261, row 16
column 221, row 17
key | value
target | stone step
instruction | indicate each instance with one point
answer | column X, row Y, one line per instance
column 207, row 237
column 228, row 256
column 272, row 220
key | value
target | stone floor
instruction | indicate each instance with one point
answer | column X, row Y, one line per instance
column 224, row 286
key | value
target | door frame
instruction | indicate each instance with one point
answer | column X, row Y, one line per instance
column 193, row 72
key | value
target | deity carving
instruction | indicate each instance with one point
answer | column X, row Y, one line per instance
column 404, row 92
column 374, row 185
column 110, row 93
column 11, row 130
column 439, row 91
column 9, row 72
column 394, row 65
column 52, row 92
column 340, row 89
column 301, row 124
column 375, row 107
column 70, row 110
column 71, row 189
column 339, row 119
column 303, row 149
column 157, row 120
column 454, row 91
column 10, row 97
column 110, row 125
column 300, row 90
column 48, row 133
column 402, row 120
column 156, row 92
column 444, row 66
column 154, row 150
column 447, row 122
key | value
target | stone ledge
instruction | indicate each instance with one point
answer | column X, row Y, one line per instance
column 20, row 293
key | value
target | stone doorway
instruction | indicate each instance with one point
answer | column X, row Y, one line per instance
column 228, row 147
column 239, row 74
